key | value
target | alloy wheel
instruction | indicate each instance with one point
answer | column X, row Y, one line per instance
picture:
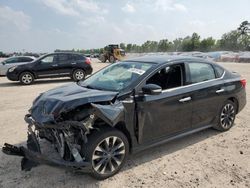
column 227, row 116
column 79, row 75
column 108, row 155
column 27, row 78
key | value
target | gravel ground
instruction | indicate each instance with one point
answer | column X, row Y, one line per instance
column 205, row 159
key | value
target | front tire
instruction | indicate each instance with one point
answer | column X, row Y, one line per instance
column 112, row 59
column 78, row 75
column 26, row 78
column 226, row 116
column 103, row 58
column 107, row 150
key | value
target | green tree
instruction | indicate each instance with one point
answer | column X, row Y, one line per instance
column 195, row 42
column 207, row 44
column 230, row 41
column 163, row 45
column 177, row 44
column 123, row 46
column 129, row 47
column 186, row 44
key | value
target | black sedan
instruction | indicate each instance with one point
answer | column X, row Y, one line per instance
column 54, row 65
column 127, row 107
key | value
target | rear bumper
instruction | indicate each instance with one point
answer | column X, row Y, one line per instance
column 32, row 155
column 89, row 70
column 242, row 100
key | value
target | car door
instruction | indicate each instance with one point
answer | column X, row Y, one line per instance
column 47, row 66
column 64, row 64
column 166, row 114
column 206, row 93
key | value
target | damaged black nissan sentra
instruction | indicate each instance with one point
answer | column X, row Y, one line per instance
column 127, row 107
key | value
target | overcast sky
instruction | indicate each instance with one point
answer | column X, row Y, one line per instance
column 46, row 25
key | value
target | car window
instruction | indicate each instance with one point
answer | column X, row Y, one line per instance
column 200, row 72
column 11, row 60
column 117, row 76
column 63, row 58
column 168, row 77
column 219, row 71
column 25, row 59
column 48, row 59
column 78, row 57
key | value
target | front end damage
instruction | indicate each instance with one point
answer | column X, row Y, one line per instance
column 63, row 137
column 68, row 137
column 65, row 117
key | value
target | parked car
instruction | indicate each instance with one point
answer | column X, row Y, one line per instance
column 128, row 107
column 52, row 65
column 14, row 61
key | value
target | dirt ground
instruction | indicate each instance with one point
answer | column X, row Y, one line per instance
column 205, row 159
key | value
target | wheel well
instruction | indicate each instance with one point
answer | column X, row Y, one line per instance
column 119, row 126
column 122, row 127
column 26, row 71
column 235, row 101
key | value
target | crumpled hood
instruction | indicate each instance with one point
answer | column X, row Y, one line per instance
column 64, row 99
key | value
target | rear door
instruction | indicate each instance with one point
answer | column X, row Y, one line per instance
column 206, row 92
column 47, row 66
column 64, row 64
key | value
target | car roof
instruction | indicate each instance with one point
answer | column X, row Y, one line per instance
column 165, row 58
column 32, row 57
column 76, row 53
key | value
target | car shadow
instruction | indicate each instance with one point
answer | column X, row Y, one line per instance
column 133, row 160
column 168, row 148
column 36, row 82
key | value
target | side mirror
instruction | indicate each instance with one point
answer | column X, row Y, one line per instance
column 151, row 89
column 3, row 63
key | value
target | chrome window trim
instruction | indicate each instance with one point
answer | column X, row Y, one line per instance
column 180, row 87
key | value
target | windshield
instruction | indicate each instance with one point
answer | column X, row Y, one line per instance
column 117, row 76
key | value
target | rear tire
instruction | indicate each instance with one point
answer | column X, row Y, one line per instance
column 26, row 78
column 103, row 58
column 107, row 150
column 227, row 116
column 78, row 75
column 112, row 59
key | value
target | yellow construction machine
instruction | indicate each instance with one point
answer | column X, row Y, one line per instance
column 112, row 53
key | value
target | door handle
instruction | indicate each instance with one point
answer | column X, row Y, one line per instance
column 54, row 65
column 73, row 63
column 220, row 90
column 185, row 99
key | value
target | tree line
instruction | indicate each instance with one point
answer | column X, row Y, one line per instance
column 235, row 40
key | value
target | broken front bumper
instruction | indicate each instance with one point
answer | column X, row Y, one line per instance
column 32, row 155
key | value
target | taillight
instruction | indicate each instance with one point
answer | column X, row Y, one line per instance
column 243, row 82
column 88, row 61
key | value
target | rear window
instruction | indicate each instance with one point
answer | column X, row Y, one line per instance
column 63, row 57
column 219, row 71
column 200, row 72
column 78, row 57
